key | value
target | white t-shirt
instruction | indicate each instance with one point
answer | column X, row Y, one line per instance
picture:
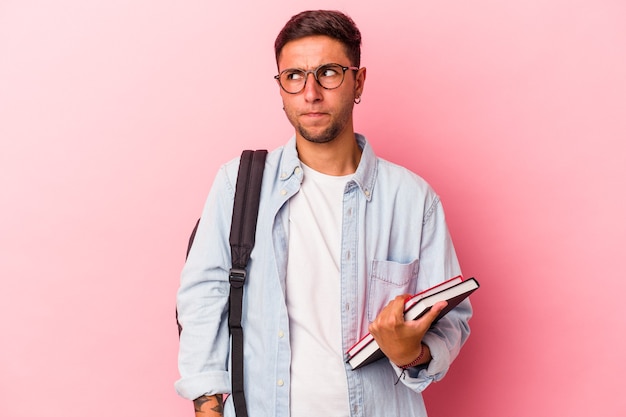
column 318, row 379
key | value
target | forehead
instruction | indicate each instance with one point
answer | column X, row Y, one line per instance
column 312, row 51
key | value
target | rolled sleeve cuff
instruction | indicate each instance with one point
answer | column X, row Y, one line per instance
column 440, row 362
column 209, row 383
column 420, row 377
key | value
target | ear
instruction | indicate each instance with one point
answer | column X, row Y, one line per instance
column 359, row 83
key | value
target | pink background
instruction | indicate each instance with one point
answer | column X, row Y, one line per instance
column 114, row 117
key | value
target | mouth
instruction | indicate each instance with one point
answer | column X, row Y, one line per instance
column 314, row 115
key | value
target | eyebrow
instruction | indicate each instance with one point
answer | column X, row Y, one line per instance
column 312, row 68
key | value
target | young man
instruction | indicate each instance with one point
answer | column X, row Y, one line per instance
column 342, row 238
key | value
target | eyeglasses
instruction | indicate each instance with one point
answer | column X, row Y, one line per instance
column 329, row 76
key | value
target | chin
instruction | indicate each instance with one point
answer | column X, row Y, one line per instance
column 322, row 137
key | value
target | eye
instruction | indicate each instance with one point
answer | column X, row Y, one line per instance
column 293, row 75
column 329, row 71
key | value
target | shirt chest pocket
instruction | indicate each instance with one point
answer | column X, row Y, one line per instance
column 388, row 280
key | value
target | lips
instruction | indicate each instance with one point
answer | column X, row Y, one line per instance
column 314, row 114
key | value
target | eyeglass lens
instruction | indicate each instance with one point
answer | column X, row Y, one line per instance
column 328, row 76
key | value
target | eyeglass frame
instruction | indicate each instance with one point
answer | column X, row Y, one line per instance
column 314, row 72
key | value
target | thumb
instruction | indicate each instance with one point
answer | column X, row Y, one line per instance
column 435, row 310
column 425, row 321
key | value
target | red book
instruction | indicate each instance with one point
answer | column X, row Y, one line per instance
column 453, row 291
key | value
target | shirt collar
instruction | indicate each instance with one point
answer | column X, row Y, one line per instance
column 364, row 177
column 289, row 160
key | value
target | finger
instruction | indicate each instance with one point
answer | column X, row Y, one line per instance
column 425, row 321
column 434, row 311
column 391, row 314
column 400, row 299
column 397, row 305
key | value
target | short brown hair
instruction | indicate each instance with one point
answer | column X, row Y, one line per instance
column 329, row 23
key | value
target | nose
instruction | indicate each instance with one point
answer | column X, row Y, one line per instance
column 312, row 90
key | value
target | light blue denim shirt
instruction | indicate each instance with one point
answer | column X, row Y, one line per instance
column 394, row 241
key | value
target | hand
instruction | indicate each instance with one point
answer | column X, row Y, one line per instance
column 400, row 340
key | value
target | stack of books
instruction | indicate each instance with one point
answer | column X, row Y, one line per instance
column 453, row 291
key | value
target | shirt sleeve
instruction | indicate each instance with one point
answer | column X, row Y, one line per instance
column 438, row 262
column 202, row 298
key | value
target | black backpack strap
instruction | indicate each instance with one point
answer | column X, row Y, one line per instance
column 192, row 237
column 242, row 232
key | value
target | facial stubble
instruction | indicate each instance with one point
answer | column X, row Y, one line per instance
column 327, row 135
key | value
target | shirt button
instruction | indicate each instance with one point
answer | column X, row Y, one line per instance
column 283, row 192
column 367, row 193
column 283, row 175
column 297, row 170
column 281, row 382
column 281, row 334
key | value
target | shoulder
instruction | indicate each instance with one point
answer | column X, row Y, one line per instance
column 231, row 167
column 405, row 190
column 226, row 177
column 388, row 175
column 397, row 176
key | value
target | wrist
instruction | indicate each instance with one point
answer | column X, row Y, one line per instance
column 209, row 405
column 421, row 358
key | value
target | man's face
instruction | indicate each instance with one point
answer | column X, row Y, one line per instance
column 320, row 115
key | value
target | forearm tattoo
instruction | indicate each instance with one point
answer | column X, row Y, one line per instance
column 216, row 400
